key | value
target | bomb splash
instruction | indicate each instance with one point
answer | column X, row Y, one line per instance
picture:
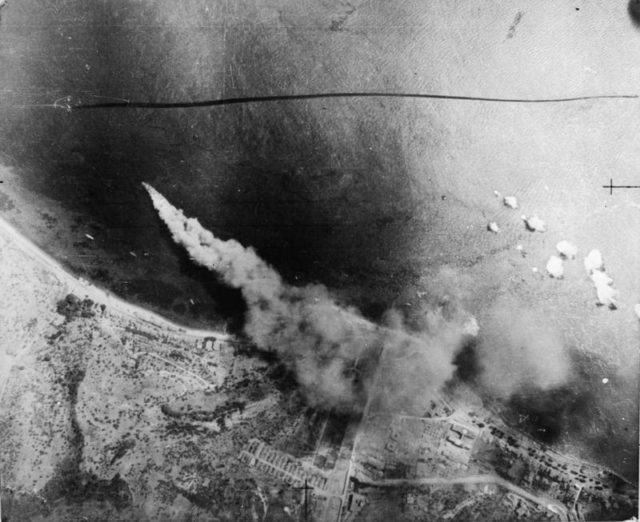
column 336, row 354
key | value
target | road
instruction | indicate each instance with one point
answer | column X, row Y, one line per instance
column 549, row 504
column 205, row 383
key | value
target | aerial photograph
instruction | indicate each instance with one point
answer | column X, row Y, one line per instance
column 319, row 260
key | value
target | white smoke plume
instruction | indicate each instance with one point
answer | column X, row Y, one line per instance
column 333, row 351
column 518, row 348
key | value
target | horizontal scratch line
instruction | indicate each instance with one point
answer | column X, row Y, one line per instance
column 288, row 97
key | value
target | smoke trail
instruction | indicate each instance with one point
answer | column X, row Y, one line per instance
column 333, row 351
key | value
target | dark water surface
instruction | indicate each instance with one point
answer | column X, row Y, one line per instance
column 327, row 203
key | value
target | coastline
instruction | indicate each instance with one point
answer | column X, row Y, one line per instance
column 90, row 290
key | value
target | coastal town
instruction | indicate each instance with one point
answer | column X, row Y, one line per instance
column 470, row 448
column 147, row 415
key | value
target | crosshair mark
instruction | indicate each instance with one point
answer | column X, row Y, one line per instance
column 611, row 186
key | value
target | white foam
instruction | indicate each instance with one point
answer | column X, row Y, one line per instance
column 593, row 261
column 510, row 201
column 535, row 224
column 471, row 327
column 567, row 249
column 555, row 267
column 600, row 278
column 606, row 294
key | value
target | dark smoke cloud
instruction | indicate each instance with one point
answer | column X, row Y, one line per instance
column 338, row 356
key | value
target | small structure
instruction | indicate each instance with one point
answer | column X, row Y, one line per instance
column 211, row 344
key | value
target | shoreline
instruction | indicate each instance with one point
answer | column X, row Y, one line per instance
column 90, row 290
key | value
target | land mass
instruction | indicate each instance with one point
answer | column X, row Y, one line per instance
column 111, row 412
